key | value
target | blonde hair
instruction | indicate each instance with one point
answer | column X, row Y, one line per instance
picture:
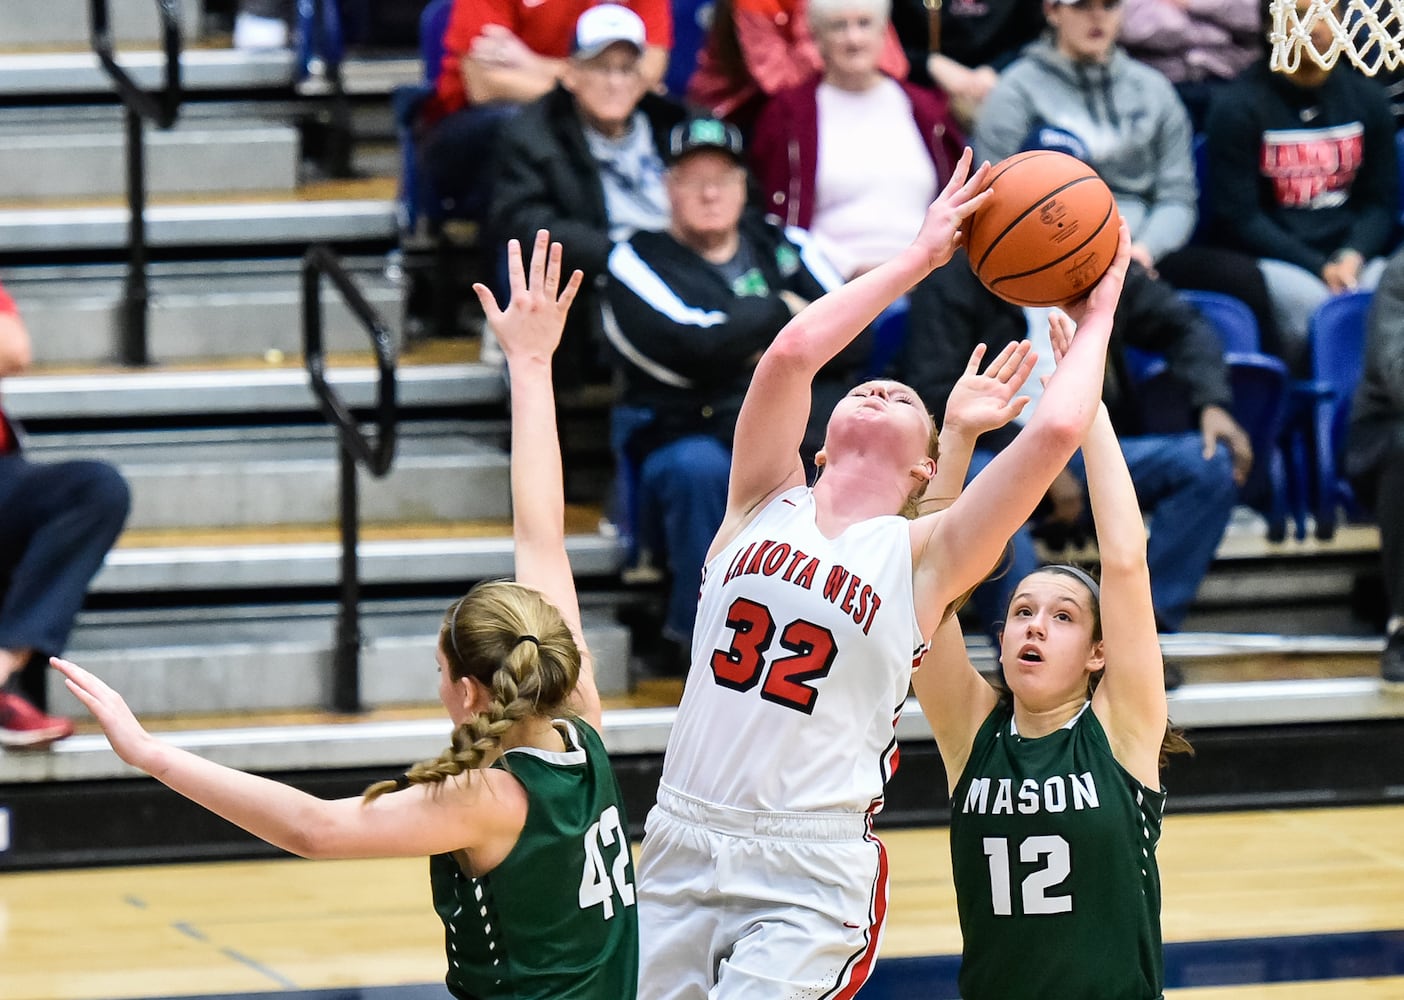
column 516, row 644
column 917, row 499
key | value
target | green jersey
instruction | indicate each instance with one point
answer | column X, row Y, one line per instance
column 556, row 919
column 1053, row 855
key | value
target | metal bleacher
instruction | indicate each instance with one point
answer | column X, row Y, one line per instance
column 215, row 615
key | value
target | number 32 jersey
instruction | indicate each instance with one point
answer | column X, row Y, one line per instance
column 801, row 660
column 1053, row 857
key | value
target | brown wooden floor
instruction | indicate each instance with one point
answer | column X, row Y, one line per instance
column 272, row 925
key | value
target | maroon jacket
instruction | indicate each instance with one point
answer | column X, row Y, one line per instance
column 785, row 146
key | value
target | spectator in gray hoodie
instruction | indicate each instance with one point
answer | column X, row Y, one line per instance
column 1077, row 91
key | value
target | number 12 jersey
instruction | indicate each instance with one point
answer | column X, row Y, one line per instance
column 1053, row 856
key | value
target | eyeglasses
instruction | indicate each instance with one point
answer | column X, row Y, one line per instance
column 595, row 67
column 711, row 182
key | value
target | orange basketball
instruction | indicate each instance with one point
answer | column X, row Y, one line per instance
column 1047, row 233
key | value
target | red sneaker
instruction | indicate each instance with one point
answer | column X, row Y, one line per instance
column 24, row 726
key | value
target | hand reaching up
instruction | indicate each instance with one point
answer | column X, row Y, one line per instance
column 531, row 325
column 1099, row 305
column 982, row 401
column 941, row 230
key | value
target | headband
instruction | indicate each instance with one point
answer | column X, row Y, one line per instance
column 1082, row 575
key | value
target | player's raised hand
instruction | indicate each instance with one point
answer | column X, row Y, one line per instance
column 981, row 401
column 531, row 324
column 1100, row 302
column 941, row 231
column 130, row 741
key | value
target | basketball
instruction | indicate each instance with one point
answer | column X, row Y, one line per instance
column 1048, row 231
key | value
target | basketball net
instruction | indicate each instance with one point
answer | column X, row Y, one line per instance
column 1369, row 33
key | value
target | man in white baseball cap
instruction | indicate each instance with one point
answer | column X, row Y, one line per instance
column 605, row 25
column 587, row 162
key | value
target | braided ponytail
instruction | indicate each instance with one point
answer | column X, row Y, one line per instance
column 516, row 644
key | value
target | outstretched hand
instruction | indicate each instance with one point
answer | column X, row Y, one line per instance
column 983, row 401
column 130, row 741
column 1100, row 302
column 941, row 232
column 535, row 315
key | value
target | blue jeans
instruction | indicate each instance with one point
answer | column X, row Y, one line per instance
column 682, row 491
column 1189, row 501
column 457, row 161
column 57, row 522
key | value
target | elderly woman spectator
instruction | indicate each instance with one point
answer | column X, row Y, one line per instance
column 756, row 49
column 854, row 153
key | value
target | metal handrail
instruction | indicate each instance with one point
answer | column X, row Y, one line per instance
column 353, row 446
column 161, row 109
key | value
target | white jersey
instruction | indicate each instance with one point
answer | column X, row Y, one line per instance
column 801, row 660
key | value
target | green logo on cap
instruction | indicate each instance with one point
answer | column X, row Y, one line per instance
column 707, row 132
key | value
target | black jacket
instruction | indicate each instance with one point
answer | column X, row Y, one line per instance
column 685, row 342
column 1335, row 155
column 546, row 179
column 951, row 312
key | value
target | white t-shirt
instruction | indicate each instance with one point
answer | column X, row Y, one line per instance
column 875, row 176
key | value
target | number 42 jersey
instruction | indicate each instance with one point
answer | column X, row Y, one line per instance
column 556, row 919
column 801, row 660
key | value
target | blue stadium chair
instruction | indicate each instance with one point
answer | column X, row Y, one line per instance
column 1261, row 395
column 889, row 334
column 1399, row 164
column 1337, row 340
column 692, row 21
column 1231, row 319
column 1257, row 398
column 1261, row 391
column 406, row 102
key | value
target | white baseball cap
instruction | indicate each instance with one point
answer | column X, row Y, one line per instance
column 604, row 25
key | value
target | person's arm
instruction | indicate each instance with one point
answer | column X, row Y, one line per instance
column 1153, row 316
column 16, row 349
column 499, row 66
column 468, row 811
column 1130, row 700
column 954, row 549
column 954, row 697
column 529, row 332
column 771, row 425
